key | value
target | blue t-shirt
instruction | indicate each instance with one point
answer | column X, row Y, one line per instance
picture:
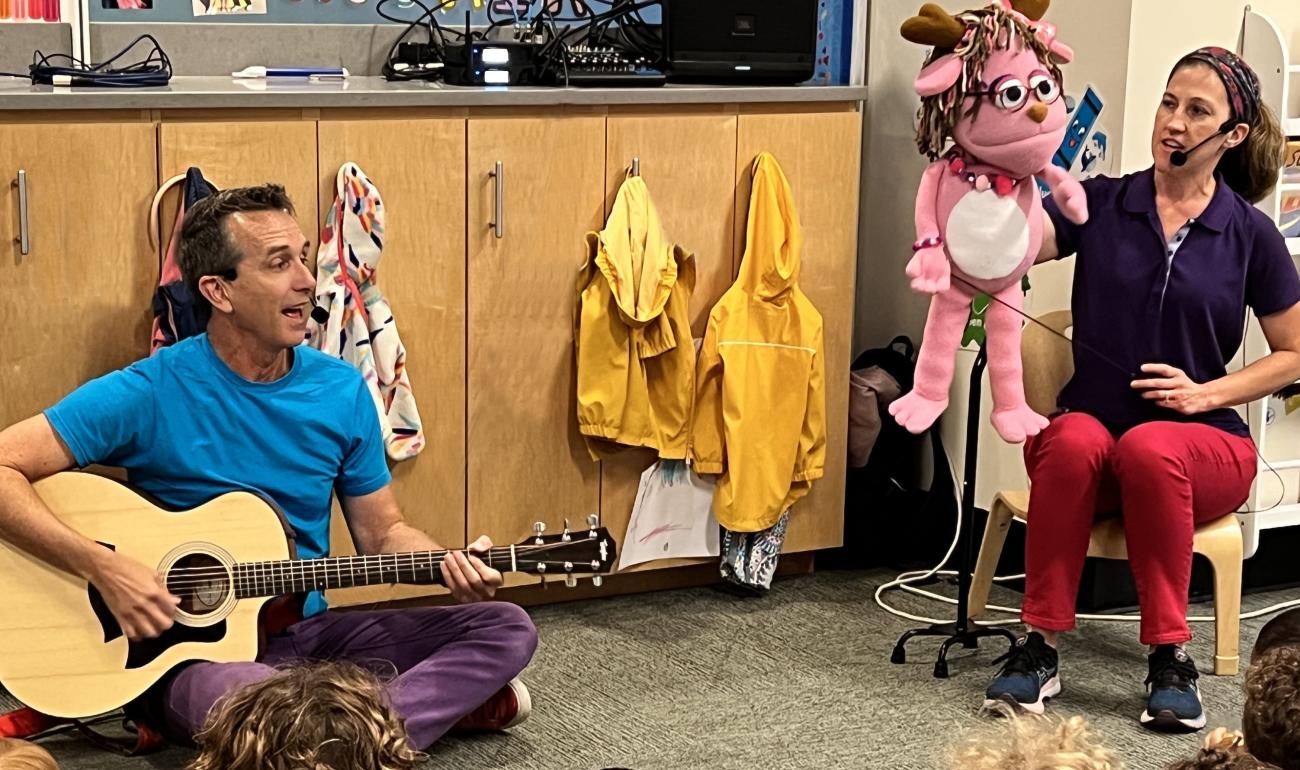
column 1137, row 304
column 187, row 429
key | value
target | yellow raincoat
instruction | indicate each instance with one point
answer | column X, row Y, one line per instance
column 760, row 407
column 636, row 359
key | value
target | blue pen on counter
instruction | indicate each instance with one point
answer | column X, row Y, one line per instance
column 311, row 73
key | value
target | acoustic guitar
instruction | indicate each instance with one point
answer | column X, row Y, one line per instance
column 63, row 653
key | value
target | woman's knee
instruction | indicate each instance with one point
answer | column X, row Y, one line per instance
column 1074, row 444
column 1144, row 453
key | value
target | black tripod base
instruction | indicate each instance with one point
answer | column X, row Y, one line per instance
column 968, row 638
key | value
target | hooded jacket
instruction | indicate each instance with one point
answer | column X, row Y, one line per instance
column 760, row 406
column 636, row 359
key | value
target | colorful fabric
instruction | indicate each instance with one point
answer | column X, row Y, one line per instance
column 361, row 329
column 176, row 314
column 749, row 558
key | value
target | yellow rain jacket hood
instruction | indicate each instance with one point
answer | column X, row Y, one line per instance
column 636, row 359
column 760, row 407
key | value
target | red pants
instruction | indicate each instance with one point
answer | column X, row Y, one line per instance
column 1165, row 477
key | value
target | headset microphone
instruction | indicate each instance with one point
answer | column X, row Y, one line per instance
column 1179, row 157
column 319, row 314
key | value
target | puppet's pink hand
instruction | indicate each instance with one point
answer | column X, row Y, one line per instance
column 1072, row 200
column 929, row 270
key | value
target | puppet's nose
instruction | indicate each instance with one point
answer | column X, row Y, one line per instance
column 1038, row 112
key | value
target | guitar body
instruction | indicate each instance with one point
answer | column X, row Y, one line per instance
column 61, row 651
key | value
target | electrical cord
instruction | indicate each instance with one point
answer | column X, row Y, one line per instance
column 154, row 70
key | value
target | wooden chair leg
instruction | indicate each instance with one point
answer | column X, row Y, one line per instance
column 1225, row 553
column 995, row 536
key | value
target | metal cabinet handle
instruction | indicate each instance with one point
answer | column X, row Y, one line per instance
column 498, row 223
column 24, row 236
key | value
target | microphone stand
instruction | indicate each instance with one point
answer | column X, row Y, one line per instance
column 961, row 631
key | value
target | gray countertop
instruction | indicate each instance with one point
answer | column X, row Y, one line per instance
column 227, row 93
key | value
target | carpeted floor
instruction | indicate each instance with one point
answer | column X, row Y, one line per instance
column 797, row 679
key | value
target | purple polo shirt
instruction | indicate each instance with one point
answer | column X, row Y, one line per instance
column 1136, row 305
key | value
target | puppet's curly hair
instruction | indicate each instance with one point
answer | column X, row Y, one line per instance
column 986, row 30
column 1030, row 743
column 1271, row 718
column 323, row 716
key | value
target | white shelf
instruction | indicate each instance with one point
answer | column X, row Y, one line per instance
column 1294, row 245
column 1289, row 187
column 1291, row 127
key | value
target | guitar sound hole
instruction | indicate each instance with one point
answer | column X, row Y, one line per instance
column 200, row 581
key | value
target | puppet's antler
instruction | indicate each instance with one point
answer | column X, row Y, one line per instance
column 935, row 27
column 1031, row 9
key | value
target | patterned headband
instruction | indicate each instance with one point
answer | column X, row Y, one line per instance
column 1237, row 76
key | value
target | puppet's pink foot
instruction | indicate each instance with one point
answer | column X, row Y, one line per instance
column 917, row 413
column 1016, row 425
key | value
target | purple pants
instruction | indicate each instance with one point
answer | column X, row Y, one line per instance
column 449, row 661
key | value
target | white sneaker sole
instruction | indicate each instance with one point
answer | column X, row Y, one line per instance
column 1050, row 689
column 524, row 700
column 1167, row 722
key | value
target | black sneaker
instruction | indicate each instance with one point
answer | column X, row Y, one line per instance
column 1031, row 675
column 1173, row 702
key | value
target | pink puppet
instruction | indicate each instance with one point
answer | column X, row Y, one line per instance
column 993, row 85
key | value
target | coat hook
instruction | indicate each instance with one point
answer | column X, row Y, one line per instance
column 636, row 167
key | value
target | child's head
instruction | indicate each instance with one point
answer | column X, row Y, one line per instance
column 328, row 716
column 1029, row 743
column 1222, row 759
column 1281, row 629
column 21, row 755
column 1271, row 719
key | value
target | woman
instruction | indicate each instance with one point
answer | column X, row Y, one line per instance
column 1168, row 263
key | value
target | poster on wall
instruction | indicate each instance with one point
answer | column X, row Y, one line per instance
column 217, row 7
column 129, row 5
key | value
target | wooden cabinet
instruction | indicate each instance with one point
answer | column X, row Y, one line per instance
column 422, row 275
column 237, row 154
column 688, row 165
column 481, row 269
column 819, row 153
column 525, row 459
column 77, row 304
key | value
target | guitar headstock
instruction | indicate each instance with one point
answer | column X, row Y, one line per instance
column 567, row 554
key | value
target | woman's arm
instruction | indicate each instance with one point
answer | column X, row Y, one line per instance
column 1171, row 388
column 1048, row 250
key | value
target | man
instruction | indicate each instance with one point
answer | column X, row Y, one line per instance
column 247, row 406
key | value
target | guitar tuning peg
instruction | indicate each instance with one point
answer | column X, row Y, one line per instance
column 564, row 536
column 593, row 521
column 538, row 528
column 597, row 581
column 570, row 580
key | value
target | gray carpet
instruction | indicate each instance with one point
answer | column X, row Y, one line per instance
column 797, row 679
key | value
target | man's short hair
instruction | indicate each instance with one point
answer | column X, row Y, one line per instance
column 206, row 247
column 1271, row 719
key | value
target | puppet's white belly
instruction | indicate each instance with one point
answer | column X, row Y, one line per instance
column 987, row 234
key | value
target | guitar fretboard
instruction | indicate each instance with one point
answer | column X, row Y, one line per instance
column 272, row 578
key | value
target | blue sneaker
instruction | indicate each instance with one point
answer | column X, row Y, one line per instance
column 1030, row 676
column 1173, row 703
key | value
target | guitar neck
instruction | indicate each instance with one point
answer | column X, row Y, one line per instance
column 273, row 578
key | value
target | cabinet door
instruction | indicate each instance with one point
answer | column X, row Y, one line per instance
column 688, row 165
column 78, row 304
column 820, row 155
column 422, row 275
column 526, row 459
column 238, row 154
